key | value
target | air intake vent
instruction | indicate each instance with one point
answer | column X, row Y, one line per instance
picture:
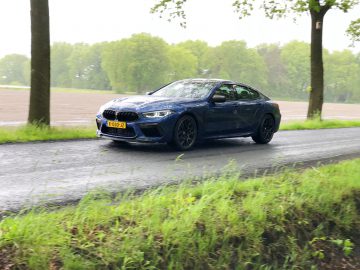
column 127, row 116
column 125, row 133
column 120, row 116
column 109, row 114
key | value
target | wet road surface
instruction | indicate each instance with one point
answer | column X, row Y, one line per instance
column 53, row 172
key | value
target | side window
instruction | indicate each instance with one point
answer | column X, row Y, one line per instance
column 227, row 91
column 254, row 94
column 244, row 93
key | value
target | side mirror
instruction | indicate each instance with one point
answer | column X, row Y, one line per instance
column 218, row 98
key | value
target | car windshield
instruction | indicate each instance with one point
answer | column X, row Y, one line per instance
column 186, row 89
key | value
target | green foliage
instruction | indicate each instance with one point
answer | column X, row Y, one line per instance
column 200, row 49
column 44, row 133
column 283, row 8
column 318, row 124
column 183, row 64
column 273, row 222
column 354, row 30
column 296, row 59
column 277, row 76
column 137, row 64
column 78, row 66
column 15, row 70
column 85, row 67
column 174, row 9
column 233, row 60
column 143, row 63
column 342, row 76
column 60, row 75
column 346, row 245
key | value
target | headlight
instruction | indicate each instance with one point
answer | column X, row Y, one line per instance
column 157, row 114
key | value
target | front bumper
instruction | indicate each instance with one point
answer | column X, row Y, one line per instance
column 277, row 122
column 156, row 130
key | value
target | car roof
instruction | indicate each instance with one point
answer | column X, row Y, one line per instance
column 222, row 81
column 218, row 81
column 208, row 80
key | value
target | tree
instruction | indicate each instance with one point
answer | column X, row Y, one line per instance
column 296, row 58
column 317, row 10
column 200, row 49
column 60, row 54
column 277, row 77
column 136, row 64
column 183, row 64
column 97, row 75
column 39, row 112
column 342, row 76
column 233, row 60
column 14, row 69
column 84, row 67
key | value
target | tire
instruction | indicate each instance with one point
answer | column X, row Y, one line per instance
column 265, row 132
column 185, row 133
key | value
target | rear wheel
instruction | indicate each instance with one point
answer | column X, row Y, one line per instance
column 185, row 133
column 265, row 131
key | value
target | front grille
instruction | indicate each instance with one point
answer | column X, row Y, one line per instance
column 121, row 132
column 109, row 114
column 120, row 116
column 127, row 116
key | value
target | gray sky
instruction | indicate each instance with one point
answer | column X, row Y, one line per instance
column 213, row 21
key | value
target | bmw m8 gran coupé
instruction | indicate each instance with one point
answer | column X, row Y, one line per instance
column 184, row 112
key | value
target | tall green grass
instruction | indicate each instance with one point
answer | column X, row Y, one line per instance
column 276, row 222
column 319, row 124
column 41, row 133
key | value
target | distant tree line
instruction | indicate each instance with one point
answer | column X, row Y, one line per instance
column 144, row 62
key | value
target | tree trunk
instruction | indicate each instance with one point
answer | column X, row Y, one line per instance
column 316, row 98
column 39, row 112
column 317, row 68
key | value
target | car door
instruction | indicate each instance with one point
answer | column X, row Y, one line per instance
column 249, row 107
column 220, row 116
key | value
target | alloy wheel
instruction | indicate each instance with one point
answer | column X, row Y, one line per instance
column 268, row 128
column 186, row 133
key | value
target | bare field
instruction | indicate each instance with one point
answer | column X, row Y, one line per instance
column 80, row 108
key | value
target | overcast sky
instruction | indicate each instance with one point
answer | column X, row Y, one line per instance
column 213, row 21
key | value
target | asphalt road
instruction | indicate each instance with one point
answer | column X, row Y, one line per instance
column 53, row 172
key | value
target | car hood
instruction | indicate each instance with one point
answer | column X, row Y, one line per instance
column 148, row 103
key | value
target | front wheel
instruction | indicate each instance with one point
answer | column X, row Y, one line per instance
column 185, row 133
column 265, row 131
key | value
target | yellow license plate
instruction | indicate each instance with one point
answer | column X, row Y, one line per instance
column 115, row 124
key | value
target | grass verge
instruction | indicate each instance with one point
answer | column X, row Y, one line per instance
column 34, row 133
column 287, row 221
column 319, row 124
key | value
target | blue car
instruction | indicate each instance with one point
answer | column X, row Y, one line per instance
column 187, row 111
